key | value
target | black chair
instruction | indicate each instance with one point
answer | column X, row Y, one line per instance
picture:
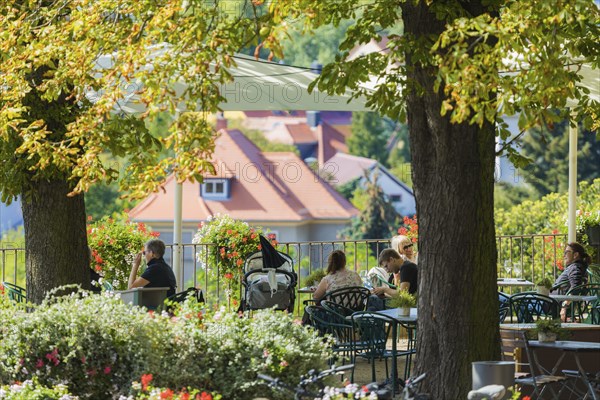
column 582, row 310
column 504, row 299
column 529, row 306
column 561, row 288
column 327, row 322
column 180, row 297
column 503, row 313
column 371, row 334
column 339, row 309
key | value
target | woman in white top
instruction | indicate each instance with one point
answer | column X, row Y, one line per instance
column 338, row 276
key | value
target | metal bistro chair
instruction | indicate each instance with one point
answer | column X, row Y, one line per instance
column 15, row 293
column 530, row 306
column 503, row 313
column 513, row 343
column 582, row 310
column 327, row 322
column 371, row 333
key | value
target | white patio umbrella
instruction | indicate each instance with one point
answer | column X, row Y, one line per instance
column 258, row 85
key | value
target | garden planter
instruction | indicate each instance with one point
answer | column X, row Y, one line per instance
column 593, row 234
column 404, row 311
column 547, row 337
column 543, row 290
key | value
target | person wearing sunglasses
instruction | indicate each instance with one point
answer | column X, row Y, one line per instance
column 405, row 247
column 576, row 261
column 158, row 273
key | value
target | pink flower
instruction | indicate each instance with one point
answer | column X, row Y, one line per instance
column 39, row 363
column 283, row 363
column 106, row 370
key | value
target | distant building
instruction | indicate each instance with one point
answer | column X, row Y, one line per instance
column 344, row 168
column 277, row 191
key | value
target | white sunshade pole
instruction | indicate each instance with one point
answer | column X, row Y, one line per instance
column 572, row 182
column 177, row 236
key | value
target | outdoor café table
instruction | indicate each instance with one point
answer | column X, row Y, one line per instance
column 150, row 298
column 514, row 282
column 574, row 348
column 394, row 313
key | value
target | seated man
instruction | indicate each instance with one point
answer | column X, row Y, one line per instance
column 157, row 273
column 392, row 262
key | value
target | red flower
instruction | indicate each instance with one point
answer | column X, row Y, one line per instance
column 39, row 363
column 141, row 227
column 526, row 398
column 106, row 370
column 204, row 396
column 98, row 268
column 90, row 218
column 402, row 231
column 228, row 275
column 155, row 234
column 239, row 262
column 259, row 247
column 167, row 394
column 184, row 396
column 1, row 289
column 146, row 379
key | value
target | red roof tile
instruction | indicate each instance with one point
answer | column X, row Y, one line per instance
column 264, row 187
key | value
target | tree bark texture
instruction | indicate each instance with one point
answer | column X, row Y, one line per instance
column 56, row 250
column 453, row 177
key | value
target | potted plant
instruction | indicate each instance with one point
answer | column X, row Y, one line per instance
column 588, row 223
column 404, row 301
column 314, row 277
column 543, row 286
column 548, row 330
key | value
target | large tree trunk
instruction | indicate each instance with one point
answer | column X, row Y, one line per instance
column 453, row 172
column 55, row 239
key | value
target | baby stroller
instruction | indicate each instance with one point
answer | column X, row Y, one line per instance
column 269, row 280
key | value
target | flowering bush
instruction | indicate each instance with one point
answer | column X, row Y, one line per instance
column 32, row 390
column 224, row 353
column 410, row 228
column 232, row 241
column 95, row 344
column 99, row 347
column 114, row 243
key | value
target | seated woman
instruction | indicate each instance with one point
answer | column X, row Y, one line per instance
column 576, row 262
column 338, row 276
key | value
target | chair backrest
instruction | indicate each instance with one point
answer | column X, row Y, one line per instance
column 372, row 330
column 585, row 289
column 384, row 282
column 352, row 297
column 329, row 322
column 15, row 292
column 529, row 306
column 561, row 288
column 339, row 309
column 504, row 313
column 504, row 299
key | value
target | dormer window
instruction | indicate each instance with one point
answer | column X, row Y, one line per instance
column 215, row 189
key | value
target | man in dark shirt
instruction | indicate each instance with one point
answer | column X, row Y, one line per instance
column 392, row 262
column 158, row 273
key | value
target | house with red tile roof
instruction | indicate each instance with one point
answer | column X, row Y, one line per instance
column 277, row 191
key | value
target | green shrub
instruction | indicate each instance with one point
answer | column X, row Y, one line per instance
column 98, row 347
column 94, row 344
column 223, row 352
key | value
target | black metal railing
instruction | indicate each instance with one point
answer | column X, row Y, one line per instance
column 519, row 256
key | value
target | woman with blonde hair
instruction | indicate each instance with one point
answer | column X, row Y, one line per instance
column 405, row 247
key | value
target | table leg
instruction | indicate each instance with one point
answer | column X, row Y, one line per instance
column 394, row 359
column 585, row 378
